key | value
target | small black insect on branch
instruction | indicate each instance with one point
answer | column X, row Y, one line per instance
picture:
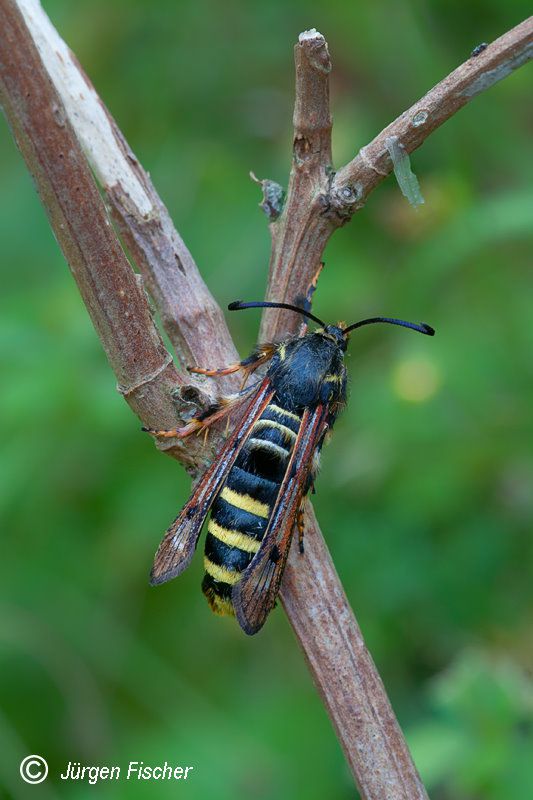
column 478, row 49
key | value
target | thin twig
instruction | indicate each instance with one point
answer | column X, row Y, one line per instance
column 299, row 239
column 372, row 164
column 298, row 234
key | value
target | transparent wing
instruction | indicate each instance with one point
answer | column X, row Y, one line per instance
column 179, row 542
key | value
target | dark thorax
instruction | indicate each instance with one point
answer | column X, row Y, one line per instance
column 310, row 370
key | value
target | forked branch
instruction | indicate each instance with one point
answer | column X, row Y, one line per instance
column 329, row 200
column 59, row 123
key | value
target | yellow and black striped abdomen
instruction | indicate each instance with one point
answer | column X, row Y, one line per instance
column 240, row 513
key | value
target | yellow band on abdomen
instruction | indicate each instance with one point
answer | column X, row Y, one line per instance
column 245, row 502
column 279, row 410
column 233, row 538
column 286, row 432
column 221, row 573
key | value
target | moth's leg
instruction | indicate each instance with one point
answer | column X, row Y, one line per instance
column 312, row 286
column 261, row 354
column 224, row 405
column 301, row 527
column 211, row 373
column 214, row 413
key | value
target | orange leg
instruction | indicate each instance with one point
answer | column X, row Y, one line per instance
column 220, row 410
column 211, row 373
column 259, row 356
column 174, row 433
column 195, row 425
column 312, row 287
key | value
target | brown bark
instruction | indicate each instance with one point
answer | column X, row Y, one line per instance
column 113, row 296
column 320, row 200
column 478, row 73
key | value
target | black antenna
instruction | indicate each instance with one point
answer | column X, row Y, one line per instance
column 421, row 328
column 238, row 305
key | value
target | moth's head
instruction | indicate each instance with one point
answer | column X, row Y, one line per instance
column 334, row 333
column 338, row 333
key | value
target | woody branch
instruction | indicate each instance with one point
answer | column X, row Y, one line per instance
column 320, row 200
column 312, row 593
column 48, row 118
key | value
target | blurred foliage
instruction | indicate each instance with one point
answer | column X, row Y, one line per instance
column 426, row 491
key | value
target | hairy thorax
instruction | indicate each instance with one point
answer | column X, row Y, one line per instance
column 308, row 371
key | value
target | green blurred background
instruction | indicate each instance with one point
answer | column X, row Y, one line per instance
column 426, row 492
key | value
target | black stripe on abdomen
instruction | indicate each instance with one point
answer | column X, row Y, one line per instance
column 255, row 486
column 232, row 518
column 224, row 555
column 239, row 518
column 240, row 514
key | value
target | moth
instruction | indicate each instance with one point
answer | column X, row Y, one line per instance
column 255, row 489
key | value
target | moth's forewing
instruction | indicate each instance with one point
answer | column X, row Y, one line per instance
column 179, row 542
